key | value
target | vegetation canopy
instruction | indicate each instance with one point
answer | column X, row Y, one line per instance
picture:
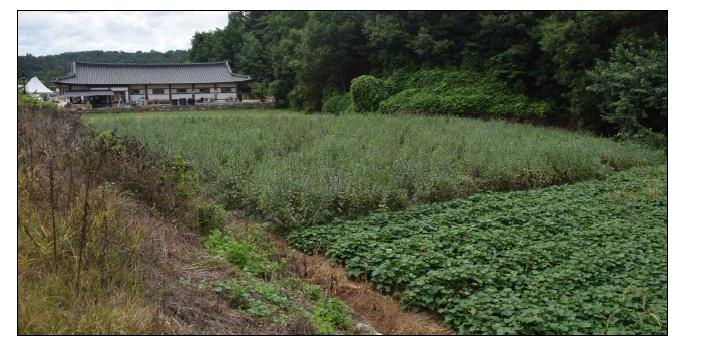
column 561, row 66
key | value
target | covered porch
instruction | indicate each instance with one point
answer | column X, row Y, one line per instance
column 99, row 97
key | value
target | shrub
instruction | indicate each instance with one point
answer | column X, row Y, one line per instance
column 247, row 254
column 33, row 101
column 632, row 86
column 459, row 92
column 367, row 92
column 330, row 315
column 210, row 217
column 337, row 104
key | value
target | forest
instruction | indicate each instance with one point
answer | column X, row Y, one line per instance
column 603, row 71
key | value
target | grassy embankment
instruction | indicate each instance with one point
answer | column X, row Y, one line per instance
column 78, row 258
column 296, row 169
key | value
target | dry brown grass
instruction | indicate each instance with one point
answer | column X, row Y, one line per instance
column 78, row 261
column 176, row 260
column 91, row 260
column 380, row 311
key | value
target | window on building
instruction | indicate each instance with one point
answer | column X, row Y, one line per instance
column 158, row 91
column 134, row 91
column 226, row 90
column 205, row 90
column 180, row 91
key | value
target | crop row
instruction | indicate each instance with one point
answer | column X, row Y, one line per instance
column 586, row 258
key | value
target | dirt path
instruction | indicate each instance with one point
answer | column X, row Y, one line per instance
column 380, row 311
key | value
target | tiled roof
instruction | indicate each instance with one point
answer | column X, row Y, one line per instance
column 125, row 73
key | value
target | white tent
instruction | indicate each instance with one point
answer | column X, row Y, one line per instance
column 35, row 86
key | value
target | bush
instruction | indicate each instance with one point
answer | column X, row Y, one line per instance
column 337, row 104
column 210, row 217
column 330, row 315
column 459, row 92
column 245, row 253
column 632, row 86
column 367, row 92
column 32, row 101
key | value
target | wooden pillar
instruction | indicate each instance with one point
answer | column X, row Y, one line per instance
column 214, row 87
column 170, row 94
column 146, row 93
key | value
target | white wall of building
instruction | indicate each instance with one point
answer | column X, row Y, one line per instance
column 179, row 91
column 185, row 91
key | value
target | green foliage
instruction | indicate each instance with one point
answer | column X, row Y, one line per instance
column 310, row 292
column 587, row 258
column 330, row 315
column 246, row 254
column 337, row 104
column 251, row 298
column 274, row 300
column 34, row 102
column 543, row 56
column 186, row 179
column 329, row 54
column 300, row 169
column 210, row 217
column 460, row 92
column 572, row 43
column 633, row 88
column 367, row 92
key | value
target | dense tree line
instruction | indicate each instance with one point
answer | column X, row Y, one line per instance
column 602, row 70
column 47, row 68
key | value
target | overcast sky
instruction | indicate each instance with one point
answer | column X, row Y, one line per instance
column 44, row 33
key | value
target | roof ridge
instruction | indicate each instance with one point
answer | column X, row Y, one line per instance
column 150, row 64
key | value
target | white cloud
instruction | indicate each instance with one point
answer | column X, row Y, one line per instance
column 44, row 33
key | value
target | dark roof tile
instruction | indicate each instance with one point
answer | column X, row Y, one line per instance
column 124, row 73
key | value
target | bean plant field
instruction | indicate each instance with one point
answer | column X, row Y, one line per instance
column 586, row 258
column 295, row 169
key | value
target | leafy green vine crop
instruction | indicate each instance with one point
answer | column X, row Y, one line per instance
column 586, row 258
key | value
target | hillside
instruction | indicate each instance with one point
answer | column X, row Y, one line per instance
column 49, row 67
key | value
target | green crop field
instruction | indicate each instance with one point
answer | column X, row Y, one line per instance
column 586, row 258
column 296, row 169
column 564, row 233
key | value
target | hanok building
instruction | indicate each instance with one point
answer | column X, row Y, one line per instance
column 106, row 84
